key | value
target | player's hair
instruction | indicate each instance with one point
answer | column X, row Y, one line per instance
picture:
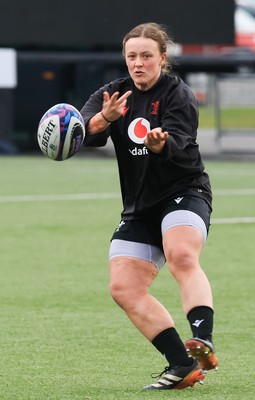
column 158, row 33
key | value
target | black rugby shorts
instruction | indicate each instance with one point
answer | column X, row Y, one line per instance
column 148, row 229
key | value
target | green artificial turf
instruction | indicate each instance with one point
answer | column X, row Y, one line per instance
column 61, row 335
column 229, row 117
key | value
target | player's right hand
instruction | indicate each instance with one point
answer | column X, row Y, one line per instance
column 113, row 106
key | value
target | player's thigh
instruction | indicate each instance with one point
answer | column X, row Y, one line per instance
column 184, row 234
column 182, row 245
column 134, row 265
column 131, row 274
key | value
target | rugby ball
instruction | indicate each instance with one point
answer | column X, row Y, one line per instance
column 61, row 132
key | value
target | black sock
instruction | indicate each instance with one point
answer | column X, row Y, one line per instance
column 201, row 322
column 169, row 344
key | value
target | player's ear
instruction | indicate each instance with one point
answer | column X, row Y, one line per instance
column 163, row 59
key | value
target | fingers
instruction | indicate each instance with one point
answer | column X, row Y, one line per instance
column 114, row 98
column 125, row 96
column 113, row 106
column 106, row 97
column 155, row 140
column 156, row 136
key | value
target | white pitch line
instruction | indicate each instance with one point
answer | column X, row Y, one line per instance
column 99, row 196
column 235, row 220
column 58, row 197
column 95, row 196
column 234, row 192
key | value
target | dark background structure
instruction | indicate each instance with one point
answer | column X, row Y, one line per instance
column 100, row 24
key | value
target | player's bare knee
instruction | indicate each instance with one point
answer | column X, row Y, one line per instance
column 182, row 261
column 120, row 294
column 125, row 296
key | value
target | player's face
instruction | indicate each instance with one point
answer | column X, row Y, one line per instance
column 144, row 61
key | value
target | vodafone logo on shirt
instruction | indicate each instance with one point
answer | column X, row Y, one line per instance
column 138, row 129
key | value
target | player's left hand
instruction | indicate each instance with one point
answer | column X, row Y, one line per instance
column 155, row 140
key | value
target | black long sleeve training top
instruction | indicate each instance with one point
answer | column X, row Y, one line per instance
column 148, row 179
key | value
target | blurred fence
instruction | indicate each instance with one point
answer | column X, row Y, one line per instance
column 235, row 112
column 229, row 100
